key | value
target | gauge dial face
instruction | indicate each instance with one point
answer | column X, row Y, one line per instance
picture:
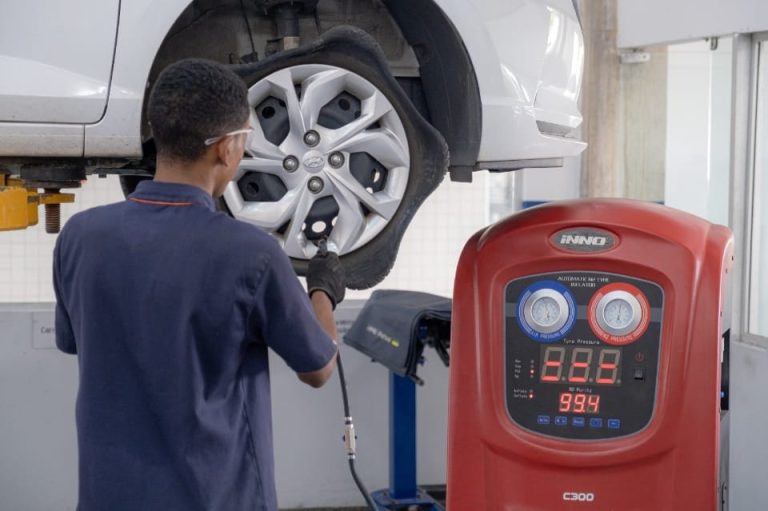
column 545, row 311
column 618, row 314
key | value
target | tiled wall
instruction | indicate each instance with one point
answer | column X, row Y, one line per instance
column 426, row 261
column 432, row 244
column 26, row 256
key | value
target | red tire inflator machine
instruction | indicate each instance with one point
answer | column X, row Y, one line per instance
column 589, row 355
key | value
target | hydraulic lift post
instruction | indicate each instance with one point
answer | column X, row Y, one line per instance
column 403, row 492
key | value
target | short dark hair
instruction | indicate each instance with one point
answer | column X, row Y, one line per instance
column 192, row 100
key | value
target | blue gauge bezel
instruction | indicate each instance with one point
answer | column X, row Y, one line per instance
column 531, row 332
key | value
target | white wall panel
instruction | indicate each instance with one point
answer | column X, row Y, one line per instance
column 650, row 22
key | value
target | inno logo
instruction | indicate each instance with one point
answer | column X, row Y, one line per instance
column 570, row 239
column 572, row 496
column 583, row 239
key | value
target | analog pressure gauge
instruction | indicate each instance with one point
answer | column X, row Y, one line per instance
column 619, row 313
column 546, row 311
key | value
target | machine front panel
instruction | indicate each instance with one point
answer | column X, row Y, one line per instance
column 582, row 353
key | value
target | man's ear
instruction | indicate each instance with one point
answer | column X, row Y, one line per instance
column 223, row 150
column 226, row 151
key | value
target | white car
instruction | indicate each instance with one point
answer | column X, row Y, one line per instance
column 357, row 104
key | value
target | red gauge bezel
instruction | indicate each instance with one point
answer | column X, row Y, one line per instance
column 635, row 334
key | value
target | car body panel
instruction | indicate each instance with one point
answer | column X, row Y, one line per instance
column 143, row 26
column 56, row 60
column 527, row 55
column 32, row 139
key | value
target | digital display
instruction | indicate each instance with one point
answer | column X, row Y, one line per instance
column 577, row 402
column 570, row 364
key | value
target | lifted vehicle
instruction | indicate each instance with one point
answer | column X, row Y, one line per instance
column 359, row 106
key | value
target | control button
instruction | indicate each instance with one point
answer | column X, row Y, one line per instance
column 561, row 421
column 595, row 422
column 614, row 423
column 542, row 419
column 639, row 373
column 578, row 422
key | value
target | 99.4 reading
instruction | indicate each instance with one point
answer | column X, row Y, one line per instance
column 576, row 402
column 568, row 364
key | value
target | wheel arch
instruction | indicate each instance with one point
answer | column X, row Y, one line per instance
column 447, row 74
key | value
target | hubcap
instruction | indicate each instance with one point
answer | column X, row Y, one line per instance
column 328, row 158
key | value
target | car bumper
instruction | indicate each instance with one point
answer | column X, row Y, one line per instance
column 528, row 56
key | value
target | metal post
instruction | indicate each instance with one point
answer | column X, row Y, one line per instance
column 402, row 438
column 403, row 492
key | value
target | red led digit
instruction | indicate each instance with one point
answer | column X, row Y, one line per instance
column 581, row 359
column 579, row 402
column 593, row 403
column 552, row 369
column 565, row 401
column 608, row 364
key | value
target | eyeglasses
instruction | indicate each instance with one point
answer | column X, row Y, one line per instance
column 213, row 140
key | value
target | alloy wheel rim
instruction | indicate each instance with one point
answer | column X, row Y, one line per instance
column 328, row 158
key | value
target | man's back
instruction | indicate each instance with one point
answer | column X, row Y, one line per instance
column 171, row 307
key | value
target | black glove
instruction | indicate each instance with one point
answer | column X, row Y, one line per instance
column 326, row 274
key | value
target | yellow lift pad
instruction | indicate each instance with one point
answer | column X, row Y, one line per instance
column 18, row 204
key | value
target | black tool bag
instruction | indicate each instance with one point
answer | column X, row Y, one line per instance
column 394, row 327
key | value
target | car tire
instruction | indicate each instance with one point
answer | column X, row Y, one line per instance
column 129, row 182
column 348, row 50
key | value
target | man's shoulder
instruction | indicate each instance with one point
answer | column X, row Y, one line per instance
column 88, row 219
column 246, row 247
column 215, row 229
column 236, row 240
column 245, row 233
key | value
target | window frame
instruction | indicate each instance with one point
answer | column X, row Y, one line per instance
column 744, row 189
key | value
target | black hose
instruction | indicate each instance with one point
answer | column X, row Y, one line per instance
column 348, row 421
column 343, row 380
column 361, row 486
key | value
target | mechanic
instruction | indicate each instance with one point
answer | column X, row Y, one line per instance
column 171, row 307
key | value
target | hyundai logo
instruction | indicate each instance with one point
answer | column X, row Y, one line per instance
column 314, row 162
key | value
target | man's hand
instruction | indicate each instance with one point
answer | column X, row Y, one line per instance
column 326, row 274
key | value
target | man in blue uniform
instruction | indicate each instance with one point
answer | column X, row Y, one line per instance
column 171, row 307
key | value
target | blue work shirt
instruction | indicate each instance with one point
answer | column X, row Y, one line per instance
column 170, row 307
